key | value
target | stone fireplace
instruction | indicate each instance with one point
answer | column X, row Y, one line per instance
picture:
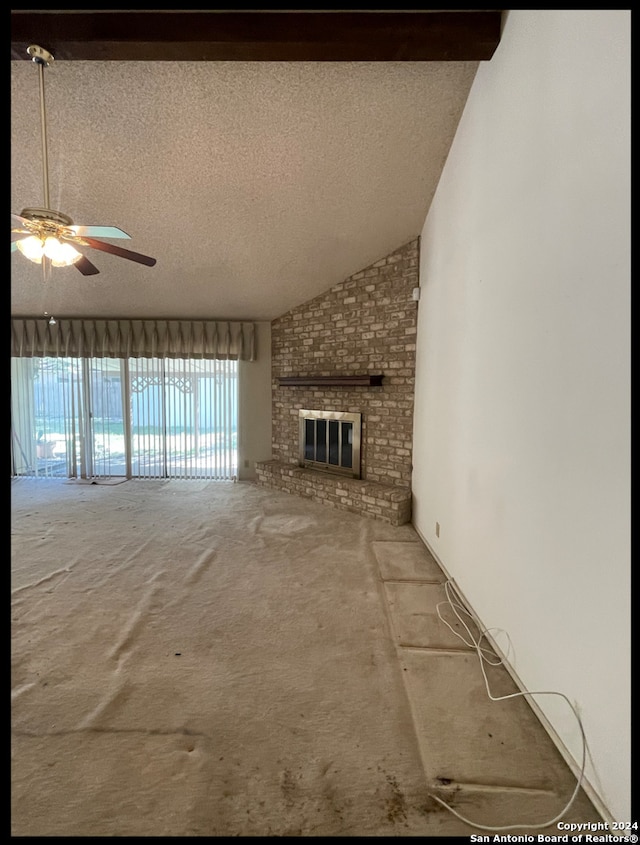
column 348, row 356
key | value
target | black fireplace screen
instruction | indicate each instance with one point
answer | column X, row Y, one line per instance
column 330, row 440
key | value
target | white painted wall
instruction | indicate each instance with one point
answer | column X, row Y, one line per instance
column 254, row 406
column 522, row 419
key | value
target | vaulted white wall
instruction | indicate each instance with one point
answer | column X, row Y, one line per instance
column 522, row 419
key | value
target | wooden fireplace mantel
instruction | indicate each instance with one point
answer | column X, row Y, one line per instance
column 331, row 381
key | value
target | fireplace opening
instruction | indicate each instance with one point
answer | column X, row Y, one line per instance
column 330, row 441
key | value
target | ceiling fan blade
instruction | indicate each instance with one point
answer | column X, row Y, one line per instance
column 19, row 230
column 117, row 250
column 99, row 232
column 86, row 267
column 18, row 222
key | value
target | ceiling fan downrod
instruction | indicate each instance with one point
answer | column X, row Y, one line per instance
column 43, row 59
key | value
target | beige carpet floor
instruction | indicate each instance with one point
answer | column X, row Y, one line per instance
column 209, row 659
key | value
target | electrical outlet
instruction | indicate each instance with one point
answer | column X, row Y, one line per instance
column 246, row 464
column 437, row 529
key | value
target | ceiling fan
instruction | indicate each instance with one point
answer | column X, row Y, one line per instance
column 50, row 237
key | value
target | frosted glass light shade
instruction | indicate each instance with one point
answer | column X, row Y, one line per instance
column 32, row 248
column 61, row 254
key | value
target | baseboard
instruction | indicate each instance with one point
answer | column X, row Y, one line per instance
column 568, row 757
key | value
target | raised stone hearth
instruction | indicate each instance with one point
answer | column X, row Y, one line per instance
column 388, row 502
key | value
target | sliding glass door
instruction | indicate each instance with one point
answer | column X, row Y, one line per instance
column 137, row 418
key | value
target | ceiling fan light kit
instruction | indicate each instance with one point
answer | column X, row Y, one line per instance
column 50, row 237
column 46, row 241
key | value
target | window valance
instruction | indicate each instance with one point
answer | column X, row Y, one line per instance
column 121, row 338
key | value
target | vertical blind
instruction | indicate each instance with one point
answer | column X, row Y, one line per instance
column 137, row 418
column 184, row 418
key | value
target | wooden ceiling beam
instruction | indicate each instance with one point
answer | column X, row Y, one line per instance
column 332, row 36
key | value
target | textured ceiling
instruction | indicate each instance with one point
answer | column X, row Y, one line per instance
column 255, row 185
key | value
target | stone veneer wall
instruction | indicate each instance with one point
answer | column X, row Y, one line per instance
column 363, row 325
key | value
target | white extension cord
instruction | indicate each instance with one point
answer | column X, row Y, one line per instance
column 455, row 604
